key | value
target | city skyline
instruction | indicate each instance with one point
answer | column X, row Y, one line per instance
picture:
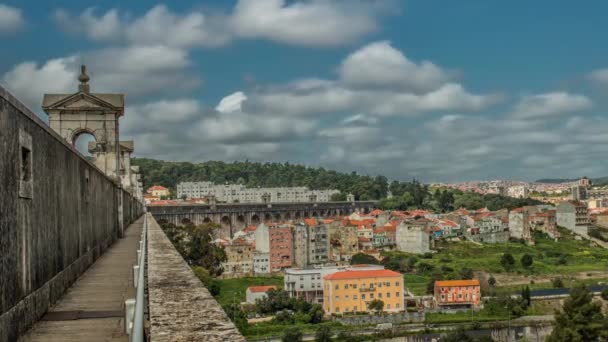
column 440, row 92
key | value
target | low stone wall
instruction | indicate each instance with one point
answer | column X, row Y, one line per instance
column 180, row 307
column 58, row 213
column 497, row 237
column 398, row 318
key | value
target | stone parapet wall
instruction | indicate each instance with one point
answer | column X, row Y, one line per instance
column 180, row 307
column 58, row 214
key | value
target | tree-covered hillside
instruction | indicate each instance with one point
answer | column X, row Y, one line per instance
column 253, row 174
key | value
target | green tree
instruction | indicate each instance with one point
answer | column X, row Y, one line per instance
column 376, row 305
column 323, row 334
column 526, row 260
column 292, row 334
column 210, row 283
column 580, row 319
column 604, row 294
column 491, row 281
column 238, row 317
column 362, row 258
column 525, row 295
column 507, row 261
column 467, row 273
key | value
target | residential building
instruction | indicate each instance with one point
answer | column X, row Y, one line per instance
column 158, row 191
column 239, row 257
column 544, row 220
column 518, row 191
column 573, row 216
column 233, row 193
column 578, row 193
column 311, row 243
column 352, row 291
column 344, row 242
column 261, row 262
column 254, row 293
column 307, row 283
column 457, row 293
column 414, row 236
column 519, row 224
column 281, row 247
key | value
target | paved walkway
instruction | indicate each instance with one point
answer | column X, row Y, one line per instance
column 101, row 290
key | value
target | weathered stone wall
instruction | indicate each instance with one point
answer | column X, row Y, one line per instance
column 180, row 308
column 58, row 213
column 494, row 237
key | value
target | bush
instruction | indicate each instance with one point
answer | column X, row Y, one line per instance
column 423, row 267
column 491, row 281
column 427, row 255
column 466, row 273
column 558, row 283
column 292, row 334
column 323, row 334
column 604, row 294
column 507, row 261
column 562, row 260
column 527, row 260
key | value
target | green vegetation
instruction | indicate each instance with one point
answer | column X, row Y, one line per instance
column 292, row 334
column 418, row 196
column 566, row 257
column 323, row 334
column 253, row 174
column 362, row 258
column 581, row 319
column 234, row 290
column 461, row 335
column 376, row 305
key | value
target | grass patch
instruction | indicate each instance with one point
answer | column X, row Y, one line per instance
column 268, row 329
column 234, row 290
column 416, row 283
column 464, row 317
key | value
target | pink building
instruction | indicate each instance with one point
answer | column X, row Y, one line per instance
column 281, row 247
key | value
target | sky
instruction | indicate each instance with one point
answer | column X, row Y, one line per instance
column 437, row 90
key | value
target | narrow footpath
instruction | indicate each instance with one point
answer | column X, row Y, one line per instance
column 93, row 307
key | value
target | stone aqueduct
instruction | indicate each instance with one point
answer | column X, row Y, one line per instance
column 234, row 217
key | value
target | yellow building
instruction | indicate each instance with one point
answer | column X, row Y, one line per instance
column 158, row 191
column 352, row 291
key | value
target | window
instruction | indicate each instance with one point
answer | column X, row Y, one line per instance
column 388, row 306
column 388, row 295
column 337, row 287
column 346, row 309
column 363, row 296
column 345, row 286
column 354, row 286
column 396, row 283
column 397, row 305
column 379, row 295
column 371, row 296
column 346, row 297
column 337, row 309
column 355, row 297
column 396, row 294
column 337, row 297
column 354, row 309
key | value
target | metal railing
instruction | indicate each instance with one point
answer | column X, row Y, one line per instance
column 134, row 309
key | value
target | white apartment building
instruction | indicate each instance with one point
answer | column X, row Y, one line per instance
column 518, row 191
column 307, row 283
column 236, row 193
column 414, row 237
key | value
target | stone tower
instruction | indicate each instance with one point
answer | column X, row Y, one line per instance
column 97, row 114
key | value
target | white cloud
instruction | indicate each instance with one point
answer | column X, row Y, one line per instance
column 231, row 103
column 307, row 23
column 317, row 22
column 28, row 81
column 549, row 104
column 380, row 64
column 599, row 75
column 105, row 27
column 11, row 19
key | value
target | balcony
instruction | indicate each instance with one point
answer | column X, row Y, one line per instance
column 367, row 289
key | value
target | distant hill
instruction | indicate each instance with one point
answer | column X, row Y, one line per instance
column 252, row 174
column 600, row 180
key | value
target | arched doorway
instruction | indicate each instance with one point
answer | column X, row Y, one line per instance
column 85, row 142
column 240, row 222
column 277, row 217
column 226, row 227
column 267, row 217
column 206, row 220
column 255, row 220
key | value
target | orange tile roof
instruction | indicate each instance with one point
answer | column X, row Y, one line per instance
column 156, row 187
column 448, row 283
column 362, row 274
column 261, row 288
column 310, row 221
column 376, row 212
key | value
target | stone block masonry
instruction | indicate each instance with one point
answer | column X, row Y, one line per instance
column 180, row 308
column 58, row 214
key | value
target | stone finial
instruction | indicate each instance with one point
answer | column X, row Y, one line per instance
column 83, row 78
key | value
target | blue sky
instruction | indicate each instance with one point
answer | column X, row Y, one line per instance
column 438, row 90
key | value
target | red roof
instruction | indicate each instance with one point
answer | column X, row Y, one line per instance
column 376, row 212
column 157, row 187
column 310, row 221
column 362, row 274
column 261, row 288
column 363, row 239
column 448, row 283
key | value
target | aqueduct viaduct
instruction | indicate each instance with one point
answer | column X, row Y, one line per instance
column 234, row 217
